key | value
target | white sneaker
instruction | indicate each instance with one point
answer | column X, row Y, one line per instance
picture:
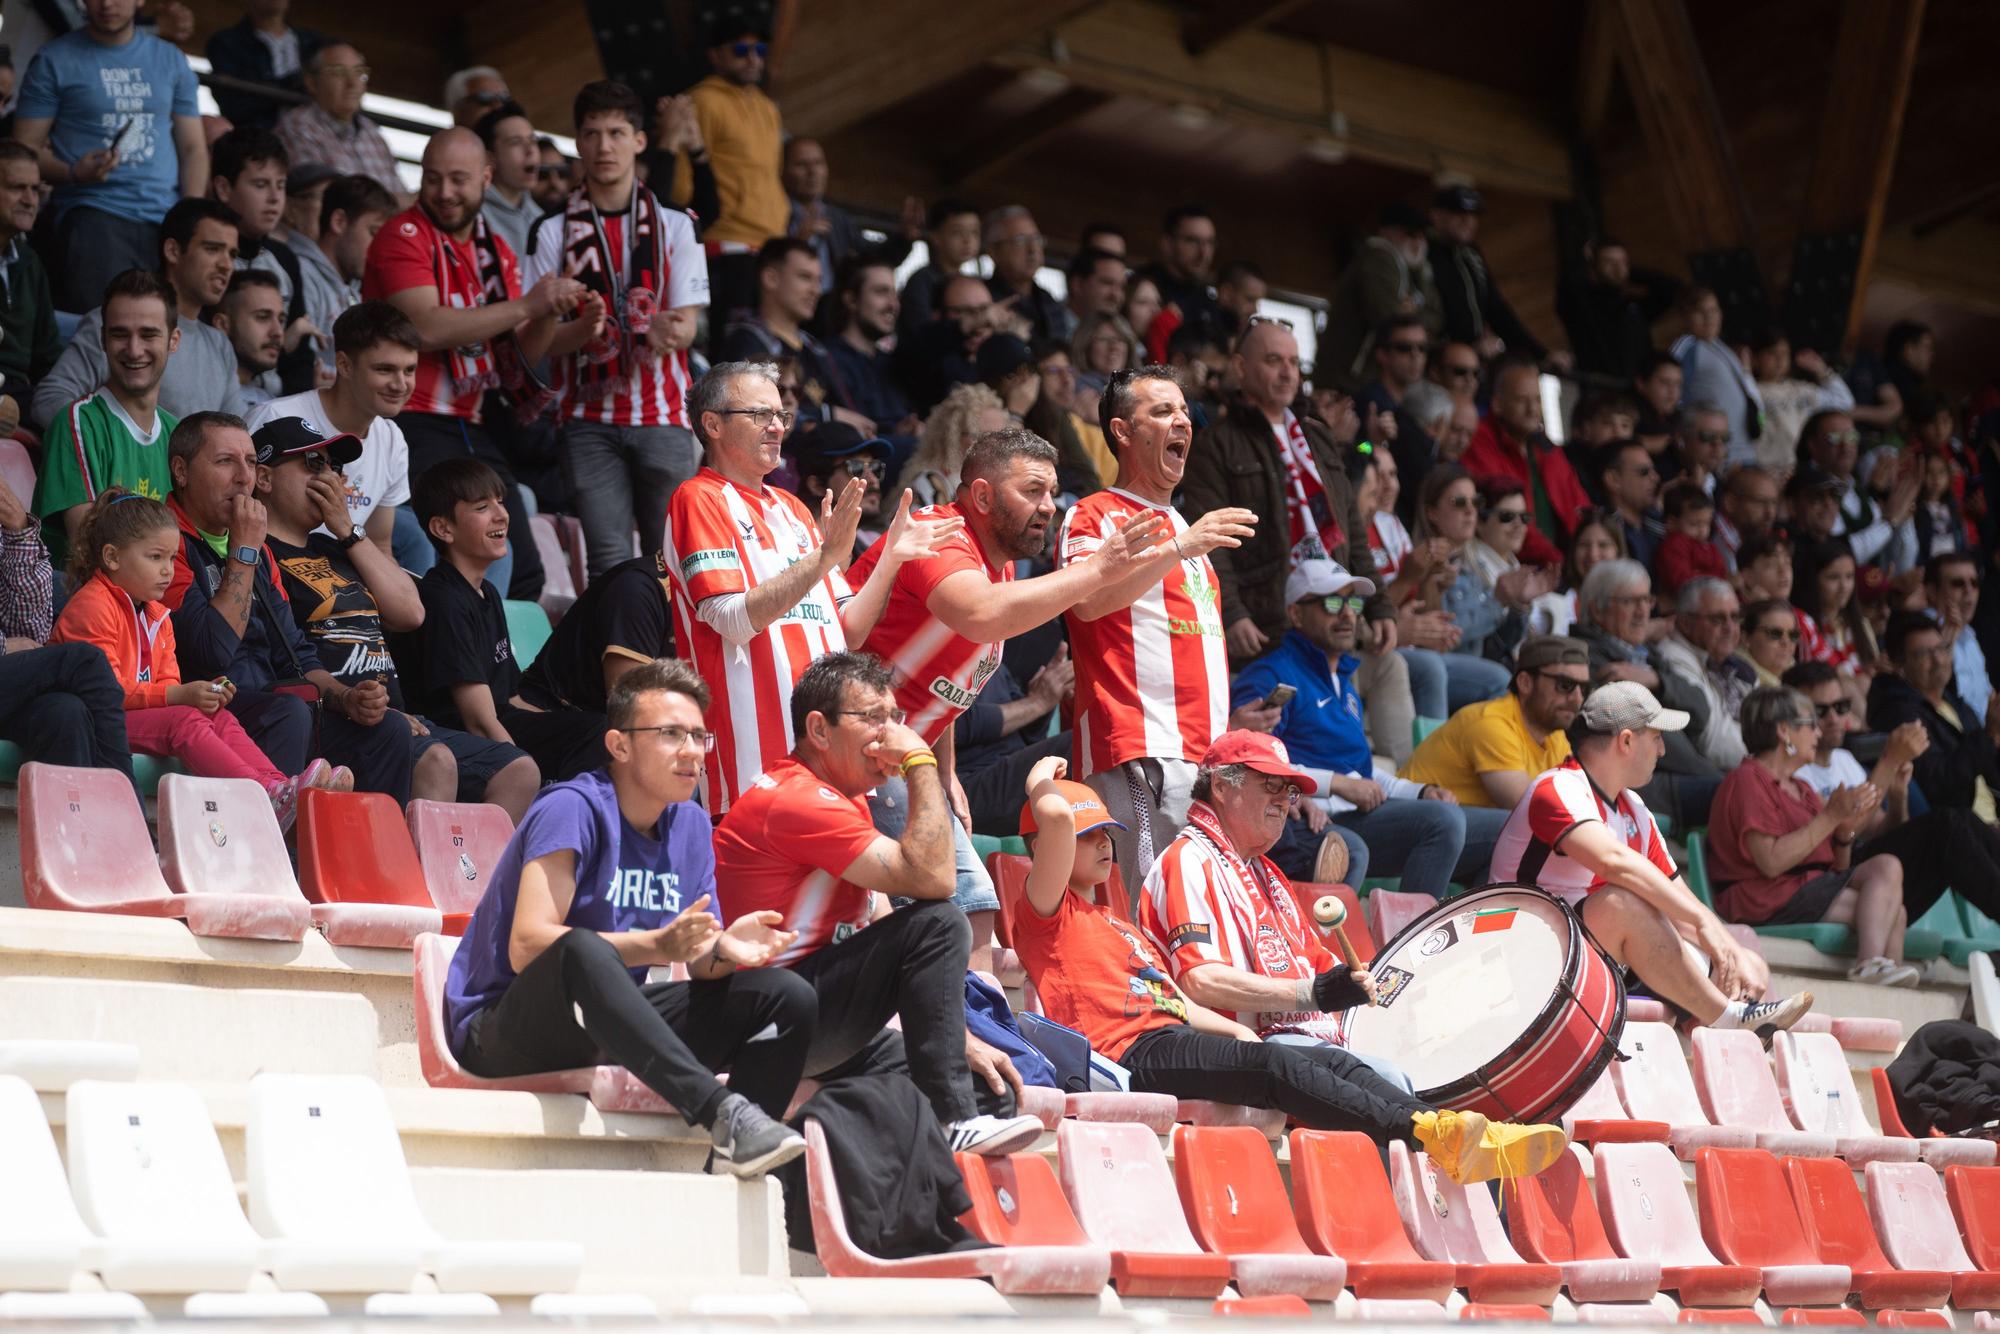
column 1883, row 972
column 992, row 1136
column 1765, row 1017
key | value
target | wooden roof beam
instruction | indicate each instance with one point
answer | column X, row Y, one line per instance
column 1010, row 140
column 1205, row 31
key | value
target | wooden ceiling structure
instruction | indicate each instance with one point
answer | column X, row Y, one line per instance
column 1805, row 138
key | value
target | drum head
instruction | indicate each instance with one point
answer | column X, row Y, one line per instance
column 1463, row 983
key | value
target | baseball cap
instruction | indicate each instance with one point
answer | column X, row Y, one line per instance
column 1627, row 704
column 1457, row 199
column 832, row 440
column 286, row 437
column 308, row 174
column 1811, row 478
column 1000, row 355
column 1319, row 578
column 1260, row 751
column 1549, row 650
column 1085, row 805
column 1408, row 217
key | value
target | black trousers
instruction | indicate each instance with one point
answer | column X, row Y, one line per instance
column 62, row 705
column 1947, row 847
column 910, row 963
column 995, row 792
column 434, row 437
column 564, row 742
column 1323, row 1087
column 380, row 754
column 672, row 1035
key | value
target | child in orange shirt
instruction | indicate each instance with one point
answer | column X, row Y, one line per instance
column 121, row 564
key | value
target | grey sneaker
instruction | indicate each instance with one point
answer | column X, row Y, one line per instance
column 747, row 1142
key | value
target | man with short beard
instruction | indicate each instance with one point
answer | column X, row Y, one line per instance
column 252, row 317
column 1746, row 507
column 1500, row 448
column 29, row 344
column 251, row 167
column 868, row 302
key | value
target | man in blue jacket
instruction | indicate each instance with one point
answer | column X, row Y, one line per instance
column 1391, row 825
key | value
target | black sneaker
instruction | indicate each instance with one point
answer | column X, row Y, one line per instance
column 747, row 1142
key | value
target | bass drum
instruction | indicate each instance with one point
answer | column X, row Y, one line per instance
column 1495, row 1002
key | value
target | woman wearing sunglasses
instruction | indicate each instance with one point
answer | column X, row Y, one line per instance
column 1770, row 639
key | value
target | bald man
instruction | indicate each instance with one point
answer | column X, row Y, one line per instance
column 459, row 283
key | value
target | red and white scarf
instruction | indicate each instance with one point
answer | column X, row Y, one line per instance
column 1315, row 528
column 495, row 363
column 630, row 283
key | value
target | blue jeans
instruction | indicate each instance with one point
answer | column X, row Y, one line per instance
column 1443, row 683
column 889, row 807
column 1430, row 844
column 411, row 544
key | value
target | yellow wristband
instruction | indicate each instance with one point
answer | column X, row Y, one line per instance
column 917, row 759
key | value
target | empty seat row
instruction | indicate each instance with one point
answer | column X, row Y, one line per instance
column 365, row 876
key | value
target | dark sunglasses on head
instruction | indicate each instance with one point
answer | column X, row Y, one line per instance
column 1843, row 707
column 742, row 49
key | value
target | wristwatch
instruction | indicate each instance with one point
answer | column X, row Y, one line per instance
column 245, row 554
column 354, row 536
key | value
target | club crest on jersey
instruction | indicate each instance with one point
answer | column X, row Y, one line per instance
column 1272, row 952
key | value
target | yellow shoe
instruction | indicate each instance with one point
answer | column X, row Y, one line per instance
column 1468, row 1148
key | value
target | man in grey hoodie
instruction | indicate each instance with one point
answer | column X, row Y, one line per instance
column 352, row 209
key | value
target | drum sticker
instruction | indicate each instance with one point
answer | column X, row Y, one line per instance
column 1493, row 919
column 1440, row 940
column 1390, row 982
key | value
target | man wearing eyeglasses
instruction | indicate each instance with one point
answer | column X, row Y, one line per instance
column 331, row 130
column 1961, row 767
column 1018, row 249
column 1829, row 442
column 1951, row 585
column 1701, row 653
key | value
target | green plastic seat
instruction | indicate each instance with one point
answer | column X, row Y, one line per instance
column 145, row 768
column 1423, row 727
column 528, row 629
column 985, row 845
column 11, row 760
column 1832, row 938
column 1978, row 933
column 1392, row 883
column 1696, row 870
column 1665, row 822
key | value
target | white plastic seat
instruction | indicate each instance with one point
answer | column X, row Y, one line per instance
column 429, row 1305
column 1655, row 1085
column 1818, row 1087
column 43, row 1241
column 220, row 841
column 1462, row 1227
column 51, row 1065
column 1914, row 1222
column 254, row 1306
column 97, row 1307
column 328, row 1180
column 1734, row 1079
column 148, row 1176
column 1643, row 1198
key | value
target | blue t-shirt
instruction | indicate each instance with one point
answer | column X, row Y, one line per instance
column 90, row 91
column 625, row 881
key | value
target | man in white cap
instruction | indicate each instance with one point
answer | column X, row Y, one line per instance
column 1583, row 834
column 1391, row 825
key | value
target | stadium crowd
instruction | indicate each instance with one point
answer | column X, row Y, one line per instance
column 873, row 569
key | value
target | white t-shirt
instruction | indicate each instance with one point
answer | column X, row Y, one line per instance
column 381, row 476
column 1840, row 770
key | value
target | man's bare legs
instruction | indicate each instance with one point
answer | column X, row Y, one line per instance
column 1641, row 937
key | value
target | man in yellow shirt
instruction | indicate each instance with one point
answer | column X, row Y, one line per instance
column 1487, row 753
column 744, row 135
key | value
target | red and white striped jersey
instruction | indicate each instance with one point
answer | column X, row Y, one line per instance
column 721, row 539
column 655, row 393
column 1529, row 848
column 939, row 672
column 784, row 847
column 1152, row 679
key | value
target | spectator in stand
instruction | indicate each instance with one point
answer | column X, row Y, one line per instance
column 867, row 318
column 1830, row 442
column 1793, row 389
column 1474, row 310
column 1152, row 678
column 1631, row 483
column 1104, row 345
column 1401, row 346
column 624, row 619
column 1700, row 654
column 1501, row 448
column 29, row 344
column 330, row 129
column 555, row 177
column 800, row 843
column 509, row 205
column 117, row 435
column 828, row 228
column 1087, row 463
column 1908, row 349
column 1747, row 507
column 1599, row 537
column 951, row 237
column 1812, row 500
column 1949, row 504
column 1105, row 236
column 261, row 47
column 1387, row 689
column 1017, row 248
column 1456, row 370
column 944, row 353
column 1265, row 457
column 1712, row 373
column 1487, row 606
column 229, row 619
column 1182, row 273
column 1142, row 306
column 305, row 192
column 111, row 113
column 1455, row 435
column 788, row 294
column 472, row 92
column 1701, row 435
column 1951, row 587
column 1240, row 289
column 250, row 172
column 1599, row 422
column 759, row 592
column 197, row 254
column 252, row 318
column 744, row 134
column 968, row 412
column 1962, row 766
column 441, row 265
column 1771, row 631
column 547, row 943
column 1608, row 309
column 1095, row 281
column 1659, row 384
column 352, row 211
column 1003, row 736
column 1825, row 591
column 1390, row 275
column 1200, row 361
column 1494, row 553
column 1687, row 551
column 60, row 705
column 1486, row 753
column 620, row 361
column 1779, row 856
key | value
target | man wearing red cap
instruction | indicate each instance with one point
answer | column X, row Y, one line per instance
column 1095, row 972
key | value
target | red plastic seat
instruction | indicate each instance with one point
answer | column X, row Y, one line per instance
column 1157, row 1112
column 1733, row 1077
column 1819, row 1092
column 457, row 845
column 354, row 849
column 1016, row 1201
column 1275, row 1306
column 1388, row 911
column 1344, row 1206
column 1461, row 1226
column 1728, row 1315
column 220, row 844
column 1387, row 1309
column 1836, row 1222
column 1515, row 1312
column 1865, row 1033
column 1655, row 1085
column 1118, row 1185
column 1839, row 1315
column 1974, row 1193
column 1620, row 1313
column 1748, row 1218
column 1043, row 1103
column 1356, row 925
column 1010, row 881
column 1236, row 1206
column 1599, row 1118
column 1642, row 1198
column 1020, row 1269
column 1552, row 1218
column 1266, row 1121
column 1646, row 1010
column 1913, row 1219
column 1913, row 1319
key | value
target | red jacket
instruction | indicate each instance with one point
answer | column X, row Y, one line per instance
column 1681, row 558
column 1495, row 453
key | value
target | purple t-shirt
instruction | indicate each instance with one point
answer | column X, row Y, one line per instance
column 625, row 881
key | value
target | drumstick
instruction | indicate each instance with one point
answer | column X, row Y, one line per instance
column 1330, row 912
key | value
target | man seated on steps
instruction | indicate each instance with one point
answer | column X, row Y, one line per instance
column 1096, row 973
column 611, row 874
column 1582, row 833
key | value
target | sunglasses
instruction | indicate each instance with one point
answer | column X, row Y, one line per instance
column 1504, row 516
column 1461, row 372
column 1407, row 348
column 550, row 173
column 1563, row 685
column 317, row 462
column 1276, row 786
column 865, row 468
column 1788, row 634
column 1336, row 603
column 1460, row 502
column 742, row 49
column 1843, row 707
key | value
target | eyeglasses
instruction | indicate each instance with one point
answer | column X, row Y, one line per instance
column 358, row 73
column 1712, row 437
column 864, row 467
column 1563, row 685
column 1407, row 348
column 1790, row 634
column 1336, row 603
column 761, row 418
column 872, row 718
column 1461, row 372
column 678, row 737
column 1024, row 239
column 1963, row 583
column 1504, row 516
column 1460, row 502
column 492, row 99
column 317, row 462
column 1275, row 786
column 1840, row 437
column 1843, row 707
column 742, row 49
